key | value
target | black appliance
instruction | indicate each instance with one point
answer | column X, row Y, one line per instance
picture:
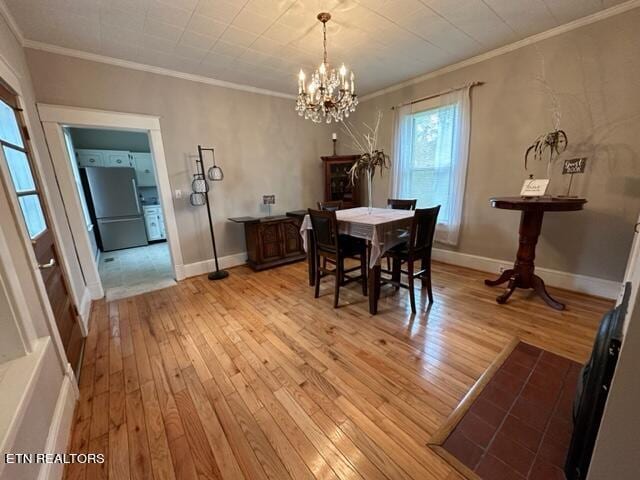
column 593, row 388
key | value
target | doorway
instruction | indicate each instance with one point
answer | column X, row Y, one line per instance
column 32, row 211
column 105, row 253
column 116, row 184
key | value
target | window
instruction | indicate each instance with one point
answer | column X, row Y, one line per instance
column 429, row 161
column 15, row 156
column 432, row 147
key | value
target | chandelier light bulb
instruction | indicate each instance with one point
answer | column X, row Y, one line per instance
column 330, row 94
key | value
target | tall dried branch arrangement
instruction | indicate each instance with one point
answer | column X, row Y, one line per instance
column 555, row 142
column 366, row 143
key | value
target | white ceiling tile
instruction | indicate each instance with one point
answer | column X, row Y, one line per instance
column 121, row 35
column 196, row 40
column 206, row 26
column 162, row 30
column 134, row 6
column 220, row 10
column 527, row 17
column 218, row 59
column 166, row 13
column 476, row 19
column 252, row 22
column 230, row 49
column 265, row 42
column 111, row 16
column 281, row 33
column 151, row 42
column 238, row 36
column 191, row 53
column 271, row 9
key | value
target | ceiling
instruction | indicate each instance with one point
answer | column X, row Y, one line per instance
column 263, row 43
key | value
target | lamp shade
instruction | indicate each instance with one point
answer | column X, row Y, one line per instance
column 215, row 174
column 199, row 184
column 197, row 199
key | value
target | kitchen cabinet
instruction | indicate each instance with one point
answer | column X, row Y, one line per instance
column 115, row 158
column 144, row 169
column 154, row 222
column 90, row 158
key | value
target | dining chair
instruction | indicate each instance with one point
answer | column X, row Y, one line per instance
column 417, row 247
column 330, row 205
column 332, row 246
column 399, row 204
column 402, row 204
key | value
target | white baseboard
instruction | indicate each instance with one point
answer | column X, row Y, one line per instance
column 96, row 290
column 555, row 278
column 205, row 266
column 61, row 423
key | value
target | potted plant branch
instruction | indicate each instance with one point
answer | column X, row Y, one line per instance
column 371, row 158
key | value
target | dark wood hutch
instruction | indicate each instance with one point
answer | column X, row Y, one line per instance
column 272, row 241
column 336, row 180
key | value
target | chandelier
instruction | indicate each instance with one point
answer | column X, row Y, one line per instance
column 330, row 95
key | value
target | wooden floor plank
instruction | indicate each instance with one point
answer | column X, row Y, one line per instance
column 252, row 377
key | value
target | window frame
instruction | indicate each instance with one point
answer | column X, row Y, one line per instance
column 418, row 109
column 11, row 100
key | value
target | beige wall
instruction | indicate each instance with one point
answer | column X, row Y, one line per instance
column 595, row 70
column 261, row 143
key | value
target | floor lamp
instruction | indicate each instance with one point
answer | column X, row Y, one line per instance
column 200, row 196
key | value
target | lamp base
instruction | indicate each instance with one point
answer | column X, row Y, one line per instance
column 219, row 275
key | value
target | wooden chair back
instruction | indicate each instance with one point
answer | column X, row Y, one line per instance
column 330, row 206
column 423, row 229
column 401, row 204
column 325, row 229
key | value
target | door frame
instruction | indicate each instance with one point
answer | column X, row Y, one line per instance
column 26, row 327
column 56, row 117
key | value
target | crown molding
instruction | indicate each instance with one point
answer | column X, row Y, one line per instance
column 567, row 27
column 13, row 26
column 69, row 52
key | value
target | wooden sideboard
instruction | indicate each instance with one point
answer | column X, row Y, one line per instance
column 336, row 180
column 272, row 241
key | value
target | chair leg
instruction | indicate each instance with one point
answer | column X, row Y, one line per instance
column 363, row 269
column 339, row 274
column 317, row 277
column 412, row 295
column 396, row 271
column 426, row 276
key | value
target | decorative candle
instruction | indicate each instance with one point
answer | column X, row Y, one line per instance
column 334, row 136
column 353, row 83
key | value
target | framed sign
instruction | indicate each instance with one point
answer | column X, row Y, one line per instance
column 534, row 188
column 269, row 199
column 574, row 165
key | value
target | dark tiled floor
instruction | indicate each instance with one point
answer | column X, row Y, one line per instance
column 520, row 425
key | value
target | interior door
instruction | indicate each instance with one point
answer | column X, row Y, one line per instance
column 16, row 154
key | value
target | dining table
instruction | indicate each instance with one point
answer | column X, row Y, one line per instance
column 381, row 228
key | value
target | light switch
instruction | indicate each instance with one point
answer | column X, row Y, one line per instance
column 178, row 193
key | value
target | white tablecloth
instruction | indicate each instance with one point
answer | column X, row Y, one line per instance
column 383, row 227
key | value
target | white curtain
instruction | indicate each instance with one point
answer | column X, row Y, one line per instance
column 402, row 151
column 432, row 165
column 450, row 233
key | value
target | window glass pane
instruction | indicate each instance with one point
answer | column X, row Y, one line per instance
column 32, row 213
column 20, row 170
column 9, row 130
column 432, row 157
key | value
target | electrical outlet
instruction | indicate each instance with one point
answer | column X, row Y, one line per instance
column 503, row 268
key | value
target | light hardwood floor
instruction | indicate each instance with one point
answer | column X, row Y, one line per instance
column 252, row 377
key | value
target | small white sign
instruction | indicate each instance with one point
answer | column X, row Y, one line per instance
column 534, row 188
